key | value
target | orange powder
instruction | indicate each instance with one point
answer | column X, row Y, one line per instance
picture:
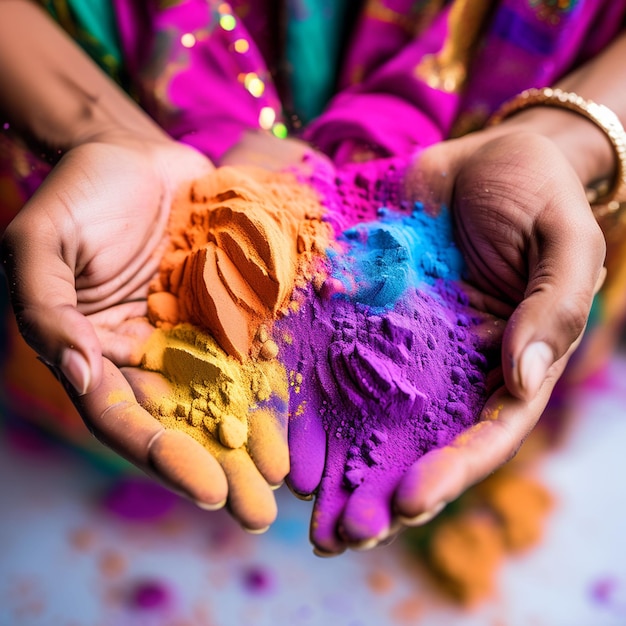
column 521, row 505
column 506, row 513
column 465, row 552
column 241, row 239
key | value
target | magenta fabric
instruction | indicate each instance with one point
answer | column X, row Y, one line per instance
column 199, row 93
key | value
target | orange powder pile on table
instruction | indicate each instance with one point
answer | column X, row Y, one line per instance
column 505, row 514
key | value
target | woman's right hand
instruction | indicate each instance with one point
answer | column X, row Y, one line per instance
column 78, row 259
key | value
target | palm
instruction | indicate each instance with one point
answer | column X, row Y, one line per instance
column 107, row 205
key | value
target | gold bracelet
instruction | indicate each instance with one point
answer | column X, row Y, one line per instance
column 600, row 115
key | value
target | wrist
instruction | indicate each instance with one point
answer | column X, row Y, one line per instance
column 53, row 94
column 582, row 148
column 582, row 143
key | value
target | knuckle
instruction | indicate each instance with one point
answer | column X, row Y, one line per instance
column 573, row 314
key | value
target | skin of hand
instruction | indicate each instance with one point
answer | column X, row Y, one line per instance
column 534, row 254
column 78, row 259
column 262, row 149
column 80, row 254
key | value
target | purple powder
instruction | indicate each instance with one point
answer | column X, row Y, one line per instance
column 150, row 595
column 390, row 368
column 258, row 580
column 139, row 500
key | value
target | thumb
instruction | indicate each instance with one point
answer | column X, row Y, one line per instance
column 38, row 260
column 566, row 271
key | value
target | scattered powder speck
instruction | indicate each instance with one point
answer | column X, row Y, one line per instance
column 603, row 589
column 258, row 579
column 150, row 595
column 138, row 499
column 112, row 563
column 610, row 592
column 380, row 581
column 407, row 611
column 82, row 539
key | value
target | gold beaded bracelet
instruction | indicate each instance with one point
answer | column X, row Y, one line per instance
column 605, row 119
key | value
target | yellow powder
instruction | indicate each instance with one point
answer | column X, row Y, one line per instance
column 211, row 394
column 221, row 403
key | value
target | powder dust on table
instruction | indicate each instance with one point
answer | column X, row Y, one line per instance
column 506, row 514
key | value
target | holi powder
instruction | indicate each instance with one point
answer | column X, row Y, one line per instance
column 137, row 499
column 240, row 242
column 465, row 547
column 150, row 595
column 326, row 298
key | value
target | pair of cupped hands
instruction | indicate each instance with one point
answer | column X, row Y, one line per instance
column 81, row 253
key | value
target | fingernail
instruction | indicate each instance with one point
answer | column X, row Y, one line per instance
column 75, row 369
column 207, row 506
column 363, row 546
column 533, row 366
column 326, row 555
column 423, row 518
column 256, row 531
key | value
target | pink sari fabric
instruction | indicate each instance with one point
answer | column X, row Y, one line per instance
column 203, row 70
column 202, row 94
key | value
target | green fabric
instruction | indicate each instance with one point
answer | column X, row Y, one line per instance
column 92, row 25
column 314, row 38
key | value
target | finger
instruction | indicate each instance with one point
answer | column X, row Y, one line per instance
column 430, row 177
column 40, row 273
column 566, row 269
column 307, row 451
column 367, row 517
column 441, row 475
column 250, row 499
column 234, row 475
column 267, row 445
column 330, row 502
column 112, row 413
column 123, row 337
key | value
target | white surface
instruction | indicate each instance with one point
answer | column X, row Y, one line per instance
column 45, row 580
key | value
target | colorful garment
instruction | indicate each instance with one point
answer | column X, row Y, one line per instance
column 405, row 73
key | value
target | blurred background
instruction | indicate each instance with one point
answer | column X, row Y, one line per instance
column 87, row 541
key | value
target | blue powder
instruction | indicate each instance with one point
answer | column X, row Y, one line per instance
column 380, row 260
